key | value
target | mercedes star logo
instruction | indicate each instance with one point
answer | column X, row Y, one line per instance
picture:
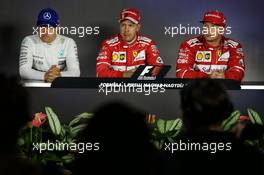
column 47, row 15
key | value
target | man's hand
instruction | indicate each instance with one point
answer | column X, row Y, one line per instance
column 128, row 74
column 52, row 73
column 217, row 74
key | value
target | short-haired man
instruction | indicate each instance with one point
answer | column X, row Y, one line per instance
column 48, row 55
column 120, row 55
column 211, row 54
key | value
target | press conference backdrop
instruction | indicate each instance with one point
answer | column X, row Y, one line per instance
column 17, row 19
column 245, row 17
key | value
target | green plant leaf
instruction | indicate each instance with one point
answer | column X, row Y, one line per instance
column 50, row 157
column 54, row 122
column 176, row 133
column 228, row 123
column 170, row 140
column 20, row 141
column 165, row 130
column 177, row 124
column 63, row 131
column 156, row 143
column 77, row 118
column 68, row 158
column 168, row 125
column 159, row 144
column 75, row 130
column 254, row 117
column 161, row 125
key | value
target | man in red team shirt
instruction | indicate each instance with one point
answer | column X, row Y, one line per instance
column 120, row 55
column 211, row 54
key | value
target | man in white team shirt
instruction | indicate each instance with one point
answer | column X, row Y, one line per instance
column 48, row 55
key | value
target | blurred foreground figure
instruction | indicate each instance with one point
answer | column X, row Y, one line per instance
column 124, row 143
column 203, row 146
column 14, row 115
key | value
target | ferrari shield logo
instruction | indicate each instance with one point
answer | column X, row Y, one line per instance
column 135, row 54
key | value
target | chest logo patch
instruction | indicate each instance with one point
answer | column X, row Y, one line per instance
column 135, row 53
column 208, row 56
column 224, row 57
column 199, row 56
column 119, row 57
column 61, row 53
column 140, row 56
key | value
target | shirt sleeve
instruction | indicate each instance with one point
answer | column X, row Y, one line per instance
column 26, row 61
column 72, row 61
column 103, row 63
column 236, row 64
column 185, row 63
column 153, row 55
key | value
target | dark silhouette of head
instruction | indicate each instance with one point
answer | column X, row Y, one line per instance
column 204, row 103
column 124, row 143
